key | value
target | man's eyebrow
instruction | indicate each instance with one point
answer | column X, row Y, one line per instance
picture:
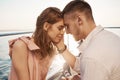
column 65, row 24
column 62, row 25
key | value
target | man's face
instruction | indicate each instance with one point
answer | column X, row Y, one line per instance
column 72, row 27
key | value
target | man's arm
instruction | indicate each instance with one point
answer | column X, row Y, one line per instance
column 69, row 58
column 67, row 55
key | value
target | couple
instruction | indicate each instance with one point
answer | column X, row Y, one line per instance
column 99, row 49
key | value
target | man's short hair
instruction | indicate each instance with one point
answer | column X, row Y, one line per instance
column 78, row 5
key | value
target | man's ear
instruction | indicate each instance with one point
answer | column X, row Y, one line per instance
column 46, row 26
column 79, row 19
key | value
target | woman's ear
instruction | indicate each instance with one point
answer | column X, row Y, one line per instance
column 46, row 26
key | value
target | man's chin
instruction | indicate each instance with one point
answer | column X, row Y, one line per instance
column 76, row 39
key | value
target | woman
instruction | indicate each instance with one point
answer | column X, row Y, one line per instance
column 32, row 56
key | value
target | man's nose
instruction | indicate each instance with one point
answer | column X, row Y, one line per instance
column 67, row 31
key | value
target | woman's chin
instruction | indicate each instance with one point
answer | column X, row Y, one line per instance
column 56, row 41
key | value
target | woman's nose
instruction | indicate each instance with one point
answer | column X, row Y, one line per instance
column 62, row 31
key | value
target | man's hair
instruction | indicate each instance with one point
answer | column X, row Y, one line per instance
column 80, row 6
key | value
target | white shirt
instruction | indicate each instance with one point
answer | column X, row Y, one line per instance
column 100, row 56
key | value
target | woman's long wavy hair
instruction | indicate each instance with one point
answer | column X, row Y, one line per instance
column 41, row 38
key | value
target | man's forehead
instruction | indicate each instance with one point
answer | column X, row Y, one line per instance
column 66, row 21
column 72, row 15
column 67, row 16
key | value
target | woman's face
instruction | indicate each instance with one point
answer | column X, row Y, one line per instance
column 56, row 31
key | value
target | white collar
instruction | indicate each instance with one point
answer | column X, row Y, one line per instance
column 88, row 39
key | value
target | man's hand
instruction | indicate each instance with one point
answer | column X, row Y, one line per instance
column 60, row 45
column 75, row 77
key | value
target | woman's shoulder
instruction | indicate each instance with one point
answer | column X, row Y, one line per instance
column 19, row 44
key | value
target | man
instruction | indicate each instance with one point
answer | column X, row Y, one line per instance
column 100, row 49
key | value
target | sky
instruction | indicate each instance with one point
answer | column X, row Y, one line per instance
column 22, row 14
